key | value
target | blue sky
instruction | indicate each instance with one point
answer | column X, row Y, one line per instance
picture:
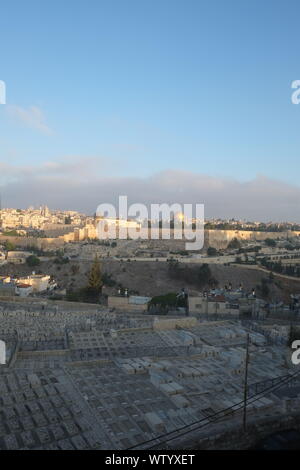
column 143, row 87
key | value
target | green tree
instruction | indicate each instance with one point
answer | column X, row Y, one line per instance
column 9, row 246
column 32, row 260
column 211, row 251
column 95, row 276
column 11, row 233
column 234, row 244
column 270, row 242
column 203, row 274
column 165, row 302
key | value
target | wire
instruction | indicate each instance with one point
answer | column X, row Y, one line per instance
column 215, row 416
column 229, row 411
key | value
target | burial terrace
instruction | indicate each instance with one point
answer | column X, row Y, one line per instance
column 96, row 379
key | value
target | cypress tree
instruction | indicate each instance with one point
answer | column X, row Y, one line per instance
column 95, row 276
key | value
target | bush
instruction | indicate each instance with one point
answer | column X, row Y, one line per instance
column 85, row 294
column 211, row 251
column 33, row 260
column 200, row 276
column 108, row 281
column 234, row 244
column 270, row 242
column 9, row 246
column 263, row 288
column 166, row 302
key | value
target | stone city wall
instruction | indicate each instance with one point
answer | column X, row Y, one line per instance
column 40, row 243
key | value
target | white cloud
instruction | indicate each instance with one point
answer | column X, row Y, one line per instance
column 69, row 167
column 32, row 117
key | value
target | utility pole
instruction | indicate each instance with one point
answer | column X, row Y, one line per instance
column 246, row 384
column 0, row 209
column 187, row 309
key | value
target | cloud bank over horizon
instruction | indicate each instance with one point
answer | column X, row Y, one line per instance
column 84, row 183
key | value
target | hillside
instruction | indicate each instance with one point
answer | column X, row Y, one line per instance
column 153, row 278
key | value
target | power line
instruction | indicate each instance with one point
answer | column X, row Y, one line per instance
column 228, row 411
column 215, row 416
column 237, row 407
column 234, row 408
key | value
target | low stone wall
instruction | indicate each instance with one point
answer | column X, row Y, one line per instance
column 122, row 303
column 200, row 305
column 46, row 352
column 61, row 304
column 172, row 323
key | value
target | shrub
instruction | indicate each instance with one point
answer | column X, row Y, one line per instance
column 33, row 260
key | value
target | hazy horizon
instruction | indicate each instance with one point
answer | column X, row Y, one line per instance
column 261, row 199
